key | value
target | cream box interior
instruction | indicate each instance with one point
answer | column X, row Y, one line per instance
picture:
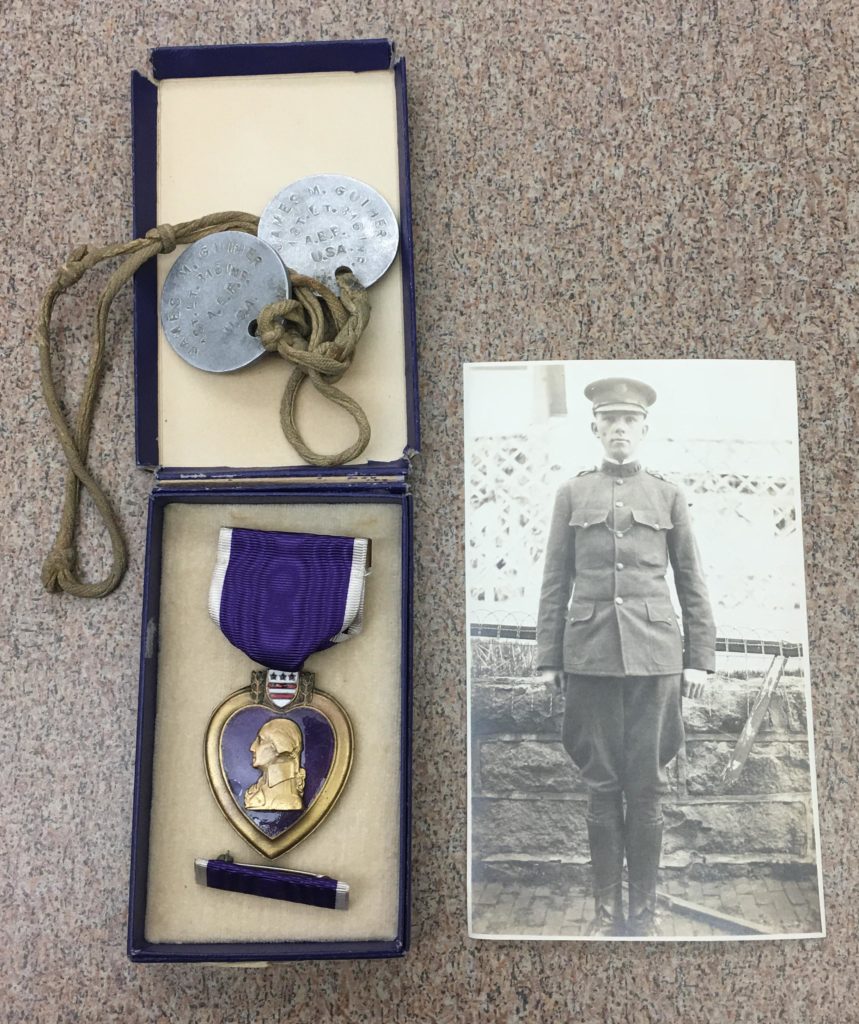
column 359, row 841
column 233, row 144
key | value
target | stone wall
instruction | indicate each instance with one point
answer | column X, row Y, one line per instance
column 528, row 802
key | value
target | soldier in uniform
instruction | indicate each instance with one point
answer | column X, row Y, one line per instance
column 607, row 632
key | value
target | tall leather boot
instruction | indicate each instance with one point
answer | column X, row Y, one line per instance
column 643, row 852
column 606, row 839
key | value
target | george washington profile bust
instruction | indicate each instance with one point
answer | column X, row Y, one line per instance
column 277, row 753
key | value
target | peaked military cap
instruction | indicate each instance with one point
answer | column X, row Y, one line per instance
column 620, row 394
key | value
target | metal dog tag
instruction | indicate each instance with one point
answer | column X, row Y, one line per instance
column 327, row 221
column 212, row 296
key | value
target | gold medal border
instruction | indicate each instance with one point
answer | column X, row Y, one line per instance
column 341, row 765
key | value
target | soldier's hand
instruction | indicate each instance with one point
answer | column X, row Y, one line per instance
column 694, row 683
column 552, row 679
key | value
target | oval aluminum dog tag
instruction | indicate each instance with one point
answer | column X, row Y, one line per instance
column 327, row 221
column 212, row 296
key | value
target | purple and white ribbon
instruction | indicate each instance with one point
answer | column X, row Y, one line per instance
column 279, row 597
column 275, row 883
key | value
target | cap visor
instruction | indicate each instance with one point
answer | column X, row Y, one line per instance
column 620, row 407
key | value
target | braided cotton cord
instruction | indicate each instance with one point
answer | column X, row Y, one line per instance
column 316, row 331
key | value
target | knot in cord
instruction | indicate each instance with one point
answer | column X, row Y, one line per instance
column 73, row 269
column 321, row 352
column 331, row 349
column 165, row 234
column 59, row 562
column 272, row 335
column 330, row 362
column 282, row 327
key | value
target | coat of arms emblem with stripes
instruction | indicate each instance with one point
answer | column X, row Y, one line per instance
column 281, row 687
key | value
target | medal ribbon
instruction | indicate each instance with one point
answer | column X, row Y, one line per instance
column 280, row 597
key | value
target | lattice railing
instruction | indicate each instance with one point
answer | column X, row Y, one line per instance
column 745, row 523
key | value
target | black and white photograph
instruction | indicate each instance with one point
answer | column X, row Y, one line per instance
column 640, row 732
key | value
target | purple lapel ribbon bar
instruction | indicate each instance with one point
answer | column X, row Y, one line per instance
column 280, row 597
column 273, row 883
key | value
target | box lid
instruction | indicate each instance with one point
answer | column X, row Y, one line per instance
column 192, row 425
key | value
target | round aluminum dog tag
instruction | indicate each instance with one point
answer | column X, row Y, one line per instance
column 213, row 295
column 327, row 221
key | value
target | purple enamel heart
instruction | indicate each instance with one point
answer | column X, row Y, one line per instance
column 265, row 754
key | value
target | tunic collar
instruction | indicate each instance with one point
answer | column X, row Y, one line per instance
column 620, row 468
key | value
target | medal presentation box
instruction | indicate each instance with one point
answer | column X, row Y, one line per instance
column 226, row 128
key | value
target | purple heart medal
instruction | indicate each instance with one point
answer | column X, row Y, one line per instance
column 278, row 753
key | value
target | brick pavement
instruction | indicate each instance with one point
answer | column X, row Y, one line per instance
column 779, row 907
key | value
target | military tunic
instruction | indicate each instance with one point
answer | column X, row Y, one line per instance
column 605, row 606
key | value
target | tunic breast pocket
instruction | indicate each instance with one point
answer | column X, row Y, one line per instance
column 593, row 539
column 651, row 537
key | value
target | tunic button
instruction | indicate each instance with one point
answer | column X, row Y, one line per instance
column 618, row 533
column 618, row 600
column 620, row 565
column 618, row 504
column 618, row 482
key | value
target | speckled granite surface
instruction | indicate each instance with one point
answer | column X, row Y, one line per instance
column 589, row 179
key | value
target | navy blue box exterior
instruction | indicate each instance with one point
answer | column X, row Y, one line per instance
column 272, row 58
column 222, row 485
column 141, row 950
column 288, row 58
column 144, row 161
